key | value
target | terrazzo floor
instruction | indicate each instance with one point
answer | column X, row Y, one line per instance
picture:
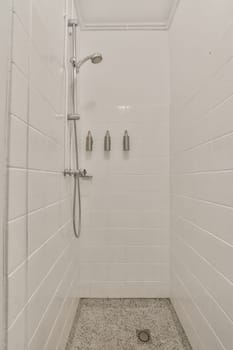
column 112, row 324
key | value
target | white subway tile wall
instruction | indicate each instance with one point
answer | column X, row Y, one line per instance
column 125, row 239
column 43, row 253
column 201, row 42
column 124, row 249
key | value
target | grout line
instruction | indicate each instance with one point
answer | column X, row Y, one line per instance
column 30, row 126
column 205, row 260
column 46, row 136
column 202, row 200
column 20, row 70
column 205, row 289
column 5, row 179
column 44, row 171
column 198, row 309
column 207, row 142
column 68, row 268
column 40, row 284
column 15, row 13
column 220, row 171
column 39, row 209
column 206, row 231
column 206, row 84
column 49, row 239
column 48, row 205
column 29, row 257
column 59, row 313
column 186, row 314
column 69, row 313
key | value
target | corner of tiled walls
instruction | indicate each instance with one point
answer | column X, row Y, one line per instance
column 201, row 42
column 43, row 254
column 125, row 240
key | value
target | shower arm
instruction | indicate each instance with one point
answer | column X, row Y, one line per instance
column 79, row 63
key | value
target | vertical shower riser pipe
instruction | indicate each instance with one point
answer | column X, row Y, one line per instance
column 74, row 117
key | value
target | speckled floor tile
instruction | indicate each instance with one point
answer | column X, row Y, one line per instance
column 111, row 324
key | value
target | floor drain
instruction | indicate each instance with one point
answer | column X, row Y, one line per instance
column 144, row 336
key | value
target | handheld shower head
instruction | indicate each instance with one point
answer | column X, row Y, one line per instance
column 95, row 59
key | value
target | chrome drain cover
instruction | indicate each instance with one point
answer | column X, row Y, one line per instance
column 143, row 335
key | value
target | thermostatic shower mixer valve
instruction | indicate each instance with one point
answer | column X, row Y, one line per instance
column 77, row 173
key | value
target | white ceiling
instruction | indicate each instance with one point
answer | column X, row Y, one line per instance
column 125, row 14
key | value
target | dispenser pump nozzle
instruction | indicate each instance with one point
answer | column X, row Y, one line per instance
column 107, row 141
column 89, row 142
column 126, row 141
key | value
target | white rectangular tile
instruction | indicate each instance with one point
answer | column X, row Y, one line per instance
column 19, row 94
column 20, row 55
column 17, row 243
column 17, row 205
column 18, row 143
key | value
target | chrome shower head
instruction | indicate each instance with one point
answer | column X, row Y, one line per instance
column 95, row 59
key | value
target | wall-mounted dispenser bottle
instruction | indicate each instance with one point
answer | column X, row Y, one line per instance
column 89, row 142
column 126, row 141
column 107, row 141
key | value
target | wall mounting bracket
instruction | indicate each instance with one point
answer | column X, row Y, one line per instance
column 73, row 117
column 72, row 22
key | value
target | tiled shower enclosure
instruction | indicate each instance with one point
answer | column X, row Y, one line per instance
column 156, row 247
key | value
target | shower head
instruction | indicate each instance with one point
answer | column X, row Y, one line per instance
column 95, row 59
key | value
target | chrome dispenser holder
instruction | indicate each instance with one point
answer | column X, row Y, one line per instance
column 126, row 141
column 107, row 141
column 89, row 142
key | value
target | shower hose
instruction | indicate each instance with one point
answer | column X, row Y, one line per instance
column 77, row 230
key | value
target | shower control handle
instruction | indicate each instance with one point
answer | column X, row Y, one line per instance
column 82, row 173
column 70, row 172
